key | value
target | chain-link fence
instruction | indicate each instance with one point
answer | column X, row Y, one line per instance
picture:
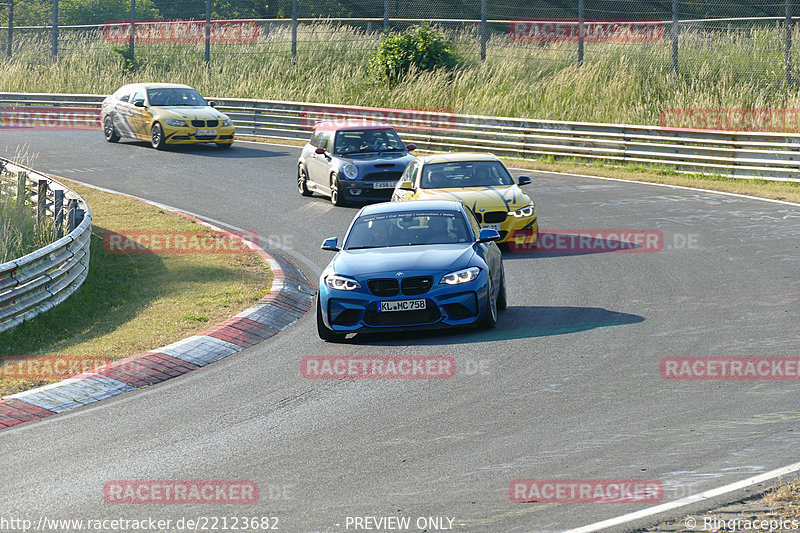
column 726, row 39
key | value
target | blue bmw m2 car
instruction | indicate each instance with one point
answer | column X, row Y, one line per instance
column 411, row 265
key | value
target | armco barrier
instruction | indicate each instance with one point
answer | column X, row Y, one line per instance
column 39, row 281
column 767, row 155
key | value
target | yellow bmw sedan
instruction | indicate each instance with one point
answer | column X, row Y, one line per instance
column 164, row 113
column 482, row 183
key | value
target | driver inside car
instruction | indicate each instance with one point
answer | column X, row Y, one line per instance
column 371, row 142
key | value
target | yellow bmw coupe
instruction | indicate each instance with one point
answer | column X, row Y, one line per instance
column 164, row 113
column 482, row 183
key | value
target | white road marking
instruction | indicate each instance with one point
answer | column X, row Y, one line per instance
column 725, row 489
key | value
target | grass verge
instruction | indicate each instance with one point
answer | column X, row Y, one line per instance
column 131, row 303
column 776, row 510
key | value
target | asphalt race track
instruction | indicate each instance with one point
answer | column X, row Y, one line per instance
column 567, row 387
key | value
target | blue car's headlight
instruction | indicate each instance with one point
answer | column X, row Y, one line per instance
column 176, row 123
column 461, row 276
column 227, row 122
column 350, row 171
column 342, row 283
column 526, row 211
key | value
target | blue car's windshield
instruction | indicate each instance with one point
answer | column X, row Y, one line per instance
column 174, row 96
column 353, row 141
column 407, row 228
column 465, row 174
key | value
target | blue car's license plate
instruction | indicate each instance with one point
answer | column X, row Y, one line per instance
column 383, row 184
column 402, row 305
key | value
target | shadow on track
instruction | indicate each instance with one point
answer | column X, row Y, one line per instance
column 518, row 322
column 237, row 151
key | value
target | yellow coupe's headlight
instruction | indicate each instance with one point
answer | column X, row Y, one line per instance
column 527, row 211
column 176, row 123
column 227, row 122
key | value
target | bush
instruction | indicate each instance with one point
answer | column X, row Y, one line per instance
column 422, row 46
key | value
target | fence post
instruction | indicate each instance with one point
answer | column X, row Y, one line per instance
column 483, row 30
column 208, row 32
column 58, row 212
column 385, row 15
column 675, row 36
column 22, row 183
column 294, row 32
column 54, row 31
column 132, row 30
column 41, row 201
column 72, row 216
column 788, row 42
column 10, row 27
column 581, row 16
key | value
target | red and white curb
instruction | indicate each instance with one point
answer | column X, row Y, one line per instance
column 290, row 297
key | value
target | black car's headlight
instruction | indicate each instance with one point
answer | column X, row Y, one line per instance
column 527, row 211
column 176, row 123
column 341, row 283
column 227, row 122
column 350, row 171
column 461, row 276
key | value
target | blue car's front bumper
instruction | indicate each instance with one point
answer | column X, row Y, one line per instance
column 445, row 306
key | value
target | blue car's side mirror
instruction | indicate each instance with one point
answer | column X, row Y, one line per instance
column 332, row 244
column 523, row 180
column 488, row 235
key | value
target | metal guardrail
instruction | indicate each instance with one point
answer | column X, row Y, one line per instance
column 752, row 155
column 39, row 281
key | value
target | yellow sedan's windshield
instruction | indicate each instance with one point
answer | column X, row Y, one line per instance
column 175, row 97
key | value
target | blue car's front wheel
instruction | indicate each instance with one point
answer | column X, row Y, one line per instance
column 325, row 333
column 490, row 318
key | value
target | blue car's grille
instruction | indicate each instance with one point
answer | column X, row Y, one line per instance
column 409, row 286
column 414, row 286
column 402, row 318
column 384, row 287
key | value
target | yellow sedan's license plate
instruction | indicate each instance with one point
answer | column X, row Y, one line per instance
column 206, row 132
column 491, row 226
column 402, row 305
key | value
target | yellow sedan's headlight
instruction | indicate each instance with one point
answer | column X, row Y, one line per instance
column 527, row 211
column 227, row 122
column 176, row 123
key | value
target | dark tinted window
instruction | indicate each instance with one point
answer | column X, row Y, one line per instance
column 465, row 174
column 175, row 96
column 407, row 229
column 348, row 142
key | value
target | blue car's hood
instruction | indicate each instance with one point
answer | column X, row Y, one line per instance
column 427, row 258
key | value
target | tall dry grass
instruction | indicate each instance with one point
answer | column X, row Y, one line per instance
column 618, row 82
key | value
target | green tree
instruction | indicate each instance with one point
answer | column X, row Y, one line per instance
column 422, row 46
column 102, row 11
